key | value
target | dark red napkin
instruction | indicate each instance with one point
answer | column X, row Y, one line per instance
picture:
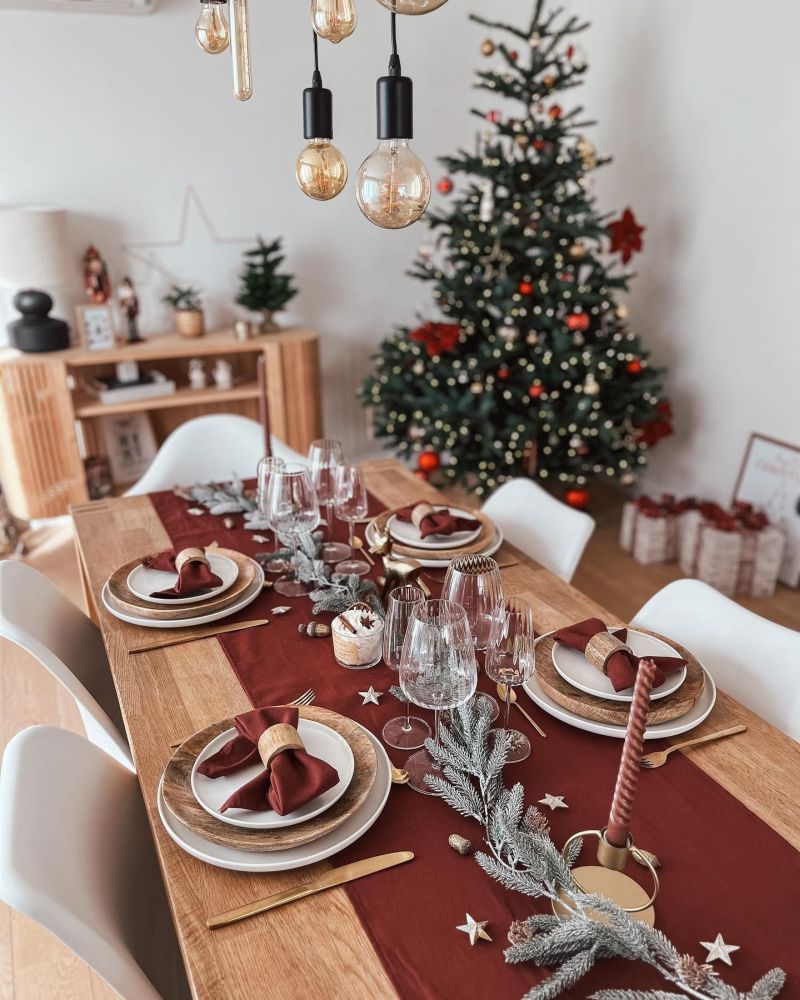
column 440, row 522
column 293, row 777
column 621, row 666
column 193, row 578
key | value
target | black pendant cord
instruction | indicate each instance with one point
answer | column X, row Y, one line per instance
column 317, row 104
column 395, row 95
column 317, row 77
column 393, row 17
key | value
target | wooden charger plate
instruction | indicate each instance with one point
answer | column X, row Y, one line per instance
column 588, row 706
column 488, row 535
column 180, row 800
column 132, row 604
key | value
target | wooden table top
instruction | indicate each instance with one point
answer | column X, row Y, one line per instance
column 172, row 692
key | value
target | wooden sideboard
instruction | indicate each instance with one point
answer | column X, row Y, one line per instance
column 45, row 409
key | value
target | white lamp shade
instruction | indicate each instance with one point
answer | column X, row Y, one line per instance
column 34, row 248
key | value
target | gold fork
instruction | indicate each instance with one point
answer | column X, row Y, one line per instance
column 305, row 699
column 659, row 757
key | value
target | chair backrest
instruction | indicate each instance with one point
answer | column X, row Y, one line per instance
column 541, row 526
column 755, row 660
column 76, row 855
column 210, row 449
column 35, row 615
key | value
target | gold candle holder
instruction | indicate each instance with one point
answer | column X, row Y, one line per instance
column 608, row 879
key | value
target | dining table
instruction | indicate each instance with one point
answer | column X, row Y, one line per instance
column 322, row 946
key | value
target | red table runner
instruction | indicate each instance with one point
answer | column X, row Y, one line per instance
column 723, row 869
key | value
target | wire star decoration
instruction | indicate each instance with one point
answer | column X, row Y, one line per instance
column 554, row 802
column 475, row 929
column 370, row 697
column 717, row 949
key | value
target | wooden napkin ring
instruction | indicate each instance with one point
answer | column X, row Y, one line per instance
column 419, row 513
column 190, row 555
column 601, row 647
column 276, row 739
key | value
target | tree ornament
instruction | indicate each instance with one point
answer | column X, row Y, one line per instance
column 553, row 802
column 416, row 433
column 535, row 390
column 513, row 55
column 532, row 338
column 438, row 338
column 577, row 498
column 539, row 144
column 426, row 251
column 622, row 311
column 371, row 696
column 475, row 929
column 522, row 141
column 535, row 40
column 626, row 235
column 555, row 112
column 525, row 288
column 634, row 367
column 587, row 152
column 429, row 461
column 486, row 208
column 508, row 331
column 578, row 321
column 445, row 186
column 487, row 47
column 718, row 950
column 418, row 368
column 549, row 81
column 495, row 117
column 503, row 373
column 627, row 479
column 577, row 252
column 577, row 57
column 591, row 386
column 476, row 388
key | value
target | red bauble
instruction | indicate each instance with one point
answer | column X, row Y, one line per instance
column 578, row 498
column 525, row 288
column 445, row 185
column 494, row 117
column 555, row 112
column 634, row 367
column 535, row 391
column 503, row 373
column 539, row 144
column 578, row 321
column 420, row 474
column 429, row 461
column 513, row 56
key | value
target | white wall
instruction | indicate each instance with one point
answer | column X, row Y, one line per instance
column 113, row 117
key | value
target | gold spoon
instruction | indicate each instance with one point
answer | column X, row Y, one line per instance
column 512, row 697
column 399, row 776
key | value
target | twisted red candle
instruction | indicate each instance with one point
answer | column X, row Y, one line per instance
column 619, row 819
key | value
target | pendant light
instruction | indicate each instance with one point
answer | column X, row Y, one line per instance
column 333, row 20
column 240, row 46
column 393, row 186
column 412, row 6
column 211, row 29
column 321, row 170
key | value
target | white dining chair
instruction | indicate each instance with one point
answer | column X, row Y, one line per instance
column 208, row 449
column 77, row 856
column 35, row 615
column 753, row 659
column 544, row 528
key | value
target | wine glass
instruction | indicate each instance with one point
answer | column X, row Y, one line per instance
column 266, row 467
column 510, row 658
column 324, row 457
column 292, row 510
column 350, row 505
column 438, row 670
column 474, row 582
column 406, row 732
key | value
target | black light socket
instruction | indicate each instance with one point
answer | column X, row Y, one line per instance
column 317, row 110
column 213, row 1
column 395, row 94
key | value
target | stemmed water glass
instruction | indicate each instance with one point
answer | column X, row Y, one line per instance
column 292, row 510
column 324, row 458
column 406, row 732
column 266, row 467
column 474, row 582
column 509, row 660
column 351, row 505
column 438, row 670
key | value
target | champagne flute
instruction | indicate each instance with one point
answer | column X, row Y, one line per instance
column 351, row 505
column 510, row 659
column 266, row 467
column 324, row 457
column 406, row 732
column 293, row 511
column 438, row 670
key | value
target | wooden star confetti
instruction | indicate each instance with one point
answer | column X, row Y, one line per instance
column 717, row 949
column 475, row 929
column 280, row 610
column 370, row 697
column 261, row 539
column 554, row 802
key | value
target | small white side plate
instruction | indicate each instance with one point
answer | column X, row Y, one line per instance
column 320, row 741
column 577, row 671
column 408, row 534
column 143, row 582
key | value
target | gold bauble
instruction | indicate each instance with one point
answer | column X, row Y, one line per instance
column 522, row 141
column 577, row 251
column 549, row 81
column 621, row 312
column 487, row 47
column 587, row 152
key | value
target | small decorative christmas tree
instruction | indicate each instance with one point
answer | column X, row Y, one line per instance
column 533, row 369
column 262, row 288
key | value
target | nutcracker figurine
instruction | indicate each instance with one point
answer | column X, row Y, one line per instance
column 95, row 276
column 129, row 304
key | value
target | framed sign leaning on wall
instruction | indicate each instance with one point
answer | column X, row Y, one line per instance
column 769, row 479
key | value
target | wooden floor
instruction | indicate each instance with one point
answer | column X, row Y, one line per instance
column 33, row 965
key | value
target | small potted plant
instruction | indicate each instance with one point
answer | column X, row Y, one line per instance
column 262, row 289
column 188, row 310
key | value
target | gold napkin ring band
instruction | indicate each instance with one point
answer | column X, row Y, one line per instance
column 190, row 555
column 420, row 512
column 276, row 739
column 601, row 647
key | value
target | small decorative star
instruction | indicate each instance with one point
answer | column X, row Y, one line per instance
column 283, row 609
column 554, row 802
column 717, row 949
column 370, row 697
column 475, row 929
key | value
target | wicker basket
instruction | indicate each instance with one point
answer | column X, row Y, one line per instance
column 189, row 322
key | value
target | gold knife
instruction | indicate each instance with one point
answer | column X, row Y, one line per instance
column 337, row 876
column 194, row 635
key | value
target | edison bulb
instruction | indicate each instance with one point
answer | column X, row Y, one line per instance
column 333, row 19
column 394, row 187
column 412, row 6
column 321, row 170
column 211, row 30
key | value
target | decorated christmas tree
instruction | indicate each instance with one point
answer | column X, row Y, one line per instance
column 530, row 368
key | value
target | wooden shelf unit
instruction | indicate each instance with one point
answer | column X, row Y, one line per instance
column 44, row 396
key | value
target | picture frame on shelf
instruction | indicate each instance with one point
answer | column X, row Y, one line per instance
column 96, row 326
column 769, row 479
column 130, row 444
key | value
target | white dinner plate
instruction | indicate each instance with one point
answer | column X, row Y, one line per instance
column 293, row 857
column 577, row 671
column 247, row 597
column 434, row 563
column 144, row 582
column 319, row 740
column 408, row 534
column 662, row 730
